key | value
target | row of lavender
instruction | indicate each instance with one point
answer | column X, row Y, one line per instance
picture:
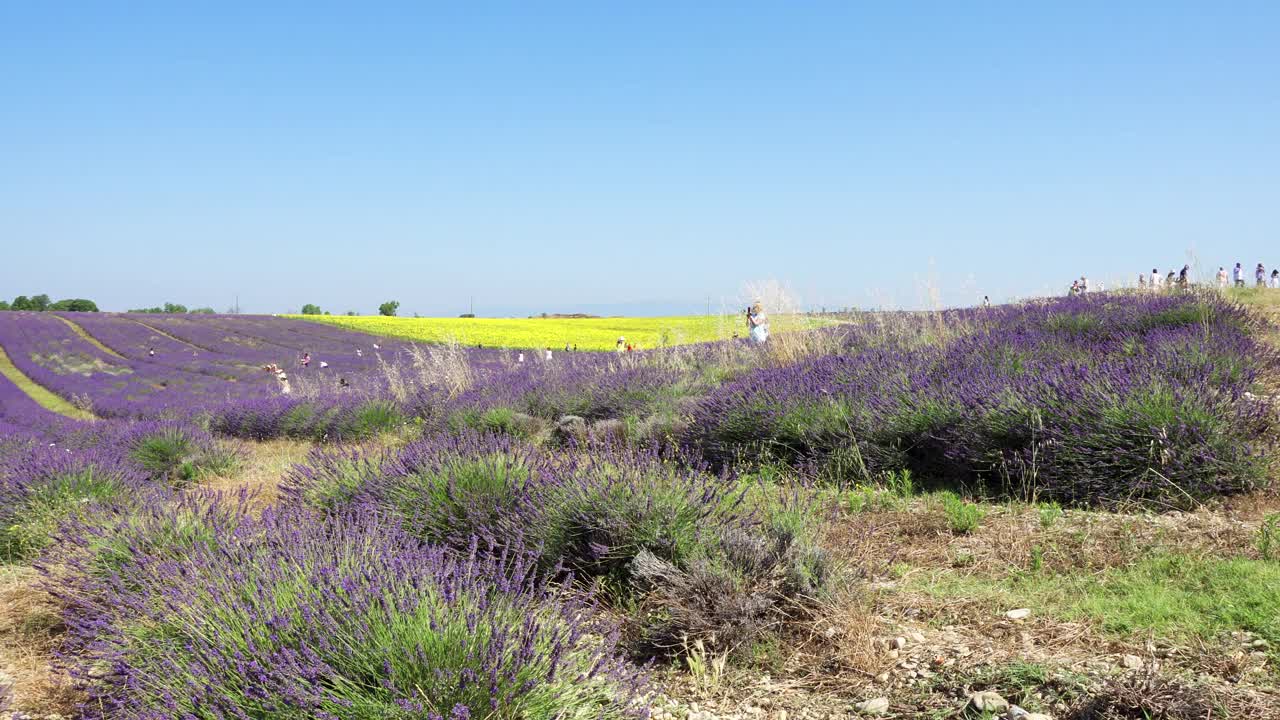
column 1085, row 400
column 119, row 366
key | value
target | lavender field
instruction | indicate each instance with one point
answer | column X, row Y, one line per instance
column 477, row 534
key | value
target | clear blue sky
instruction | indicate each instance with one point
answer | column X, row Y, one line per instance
column 627, row 156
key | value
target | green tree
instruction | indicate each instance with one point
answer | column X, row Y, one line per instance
column 310, row 309
column 4, row 305
column 204, row 311
column 40, row 303
column 175, row 309
column 388, row 308
column 75, row 305
column 22, row 302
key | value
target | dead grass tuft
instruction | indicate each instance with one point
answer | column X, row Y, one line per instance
column 30, row 629
column 263, row 467
column 1148, row 695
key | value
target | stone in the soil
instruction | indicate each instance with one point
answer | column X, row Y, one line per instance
column 1018, row 614
column 570, row 429
column 899, row 643
column 988, row 701
column 1133, row 662
column 874, row 706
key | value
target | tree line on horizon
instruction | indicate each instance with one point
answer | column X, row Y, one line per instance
column 387, row 308
column 42, row 303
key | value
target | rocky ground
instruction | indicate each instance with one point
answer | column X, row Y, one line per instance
column 911, row 643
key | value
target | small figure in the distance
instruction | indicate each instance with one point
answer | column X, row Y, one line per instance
column 757, row 324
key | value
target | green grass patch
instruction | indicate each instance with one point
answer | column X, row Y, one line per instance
column 1178, row 597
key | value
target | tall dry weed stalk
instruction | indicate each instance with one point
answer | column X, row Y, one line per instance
column 443, row 366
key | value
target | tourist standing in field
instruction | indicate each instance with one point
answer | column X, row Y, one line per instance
column 1275, row 279
column 306, row 359
column 1222, row 278
column 1260, row 276
column 281, row 377
column 1182, row 276
column 622, row 345
column 1237, row 274
column 1155, row 279
column 1084, row 284
column 1142, row 281
column 986, row 301
column 757, row 324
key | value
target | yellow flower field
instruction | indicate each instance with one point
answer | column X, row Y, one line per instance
column 645, row 333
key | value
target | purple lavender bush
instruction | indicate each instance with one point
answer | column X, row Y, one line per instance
column 323, row 419
column 47, row 485
column 342, row 617
column 108, row 537
column 173, row 453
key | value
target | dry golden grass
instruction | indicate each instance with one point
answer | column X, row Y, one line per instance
column 264, row 467
column 29, row 631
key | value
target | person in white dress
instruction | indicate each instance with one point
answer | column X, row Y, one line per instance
column 757, row 324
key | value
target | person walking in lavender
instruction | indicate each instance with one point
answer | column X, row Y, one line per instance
column 1275, row 279
column 1155, row 279
column 1222, row 278
column 1237, row 275
column 1260, row 276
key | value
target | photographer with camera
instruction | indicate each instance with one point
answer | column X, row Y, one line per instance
column 757, row 324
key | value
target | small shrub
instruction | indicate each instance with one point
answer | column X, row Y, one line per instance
column 370, row 419
column 618, row 506
column 1049, row 514
column 332, row 479
column 872, row 499
column 738, row 595
column 900, row 483
column 962, row 516
column 1268, row 537
column 178, row 455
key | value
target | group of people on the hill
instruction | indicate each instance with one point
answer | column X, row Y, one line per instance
column 1260, row 277
column 1235, row 278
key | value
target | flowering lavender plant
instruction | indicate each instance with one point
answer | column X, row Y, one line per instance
column 345, row 617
